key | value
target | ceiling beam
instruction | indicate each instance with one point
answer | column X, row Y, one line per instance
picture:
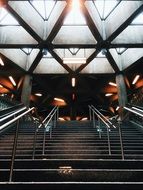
column 60, row 61
column 125, row 24
column 35, row 62
column 91, row 25
column 87, row 61
column 57, row 25
column 23, row 23
column 112, row 61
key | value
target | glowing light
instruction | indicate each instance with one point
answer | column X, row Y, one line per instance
column 136, row 79
column 117, row 108
column 1, row 62
column 38, row 94
column 73, row 96
column 12, row 80
column 75, row 4
column 112, row 84
column 1, row 86
column 108, row 94
column 73, row 82
column 84, row 119
column 61, row 119
column 59, row 99
column 74, row 60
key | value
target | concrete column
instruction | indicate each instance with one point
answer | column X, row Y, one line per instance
column 26, row 90
column 122, row 93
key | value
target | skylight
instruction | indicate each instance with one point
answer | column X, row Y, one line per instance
column 75, row 16
column 105, row 7
column 6, row 18
column 138, row 19
column 43, row 7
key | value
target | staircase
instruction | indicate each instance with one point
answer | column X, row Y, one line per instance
column 75, row 157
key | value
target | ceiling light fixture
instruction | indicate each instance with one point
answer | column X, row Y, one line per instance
column 117, row 108
column 136, row 79
column 108, row 94
column 61, row 119
column 84, row 119
column 59, row 99
column 12, row 80
column 112, row 84
column 38, row 94
column 73, row 82
column 1, row 62
column 74, row 60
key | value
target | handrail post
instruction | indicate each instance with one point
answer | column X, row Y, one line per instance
column 55, row 120
column 89, row 113
column 44, row 141
column 57, row 113
column 14, row 151
column 34, row 141
column 99, row 127
column 109, row 143
column 121, row 139
column 93, row 119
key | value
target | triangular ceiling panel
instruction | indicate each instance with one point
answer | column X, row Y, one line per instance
column 49, row 66
column 98, row 65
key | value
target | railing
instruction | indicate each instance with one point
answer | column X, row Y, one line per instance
column 108, row 124
column 49, row 122
column 137, row 111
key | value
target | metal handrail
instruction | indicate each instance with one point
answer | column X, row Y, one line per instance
column 107, row 120
column 47, row 116
column 107, row 127
column 131, row 110
column 45, row 122
column 135, row 108
column 100, row 117
column 16, row 118
column 12, row 114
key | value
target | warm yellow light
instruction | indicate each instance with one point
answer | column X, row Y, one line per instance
column 1, row 62
column 1, row 86
column 108, row 94
column 74, row 60
column 75, row 4
column 12, row 80
column 73, row 82
column 112, row 84
column 59, row 99
column 136, row 79
column 61, row 119
column 84, row 119
column 38, row 94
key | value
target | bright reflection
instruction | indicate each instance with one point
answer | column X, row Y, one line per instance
column 61, row 119
column 117, row 108
column 1, row 62
column 1, row 86
column 75, row 16
column 66, row 170
column 84, row 119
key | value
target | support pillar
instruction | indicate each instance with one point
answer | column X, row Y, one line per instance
column 26, row 90
column 122, row 93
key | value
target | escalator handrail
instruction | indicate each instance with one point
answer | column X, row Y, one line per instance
column 16, row 118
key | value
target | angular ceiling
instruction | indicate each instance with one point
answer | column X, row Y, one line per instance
column 36, row 36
